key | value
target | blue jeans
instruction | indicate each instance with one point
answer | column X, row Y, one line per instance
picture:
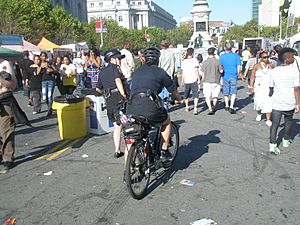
column 47, row 92
column 230, row 86
column 80, row 80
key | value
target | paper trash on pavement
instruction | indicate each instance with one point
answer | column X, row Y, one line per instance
column 204, row 222
column 85, row 156
column 187, row 183
column 48, row 173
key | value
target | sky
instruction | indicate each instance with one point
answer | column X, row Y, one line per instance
column 238, row 11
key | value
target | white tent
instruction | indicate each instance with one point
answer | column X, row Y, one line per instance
column 294, row 38
column 77, row 47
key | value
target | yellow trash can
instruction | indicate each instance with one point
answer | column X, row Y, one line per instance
column 71, row 116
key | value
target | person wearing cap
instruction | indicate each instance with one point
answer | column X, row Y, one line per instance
column 284, row 91
column 111, row 83
column 211, row 76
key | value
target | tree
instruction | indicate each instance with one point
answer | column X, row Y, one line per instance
column 180, row 35
column 67, row 28
column 26, row 17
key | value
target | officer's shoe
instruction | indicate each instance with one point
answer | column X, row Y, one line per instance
column 165, row 155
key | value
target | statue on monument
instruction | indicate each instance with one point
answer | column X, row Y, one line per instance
column 198, row 41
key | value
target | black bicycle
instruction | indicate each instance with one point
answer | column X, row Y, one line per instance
column 144, row 156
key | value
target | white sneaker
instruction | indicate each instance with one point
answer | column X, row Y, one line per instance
column 258, row 118
column 269, row 123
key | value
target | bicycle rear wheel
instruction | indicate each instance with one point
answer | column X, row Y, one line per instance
column 137, row 172
column 173, row 145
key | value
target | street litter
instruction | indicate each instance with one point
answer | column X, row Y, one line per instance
column 243, row 112
column 187, row 183
column 204, row 222
column 85, row 156
column 48, row 173
column 10, row 221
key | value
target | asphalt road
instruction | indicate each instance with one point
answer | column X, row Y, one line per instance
column 236, row 181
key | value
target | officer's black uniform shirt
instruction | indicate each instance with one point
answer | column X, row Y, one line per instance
column 108, row 75
column 150, row 77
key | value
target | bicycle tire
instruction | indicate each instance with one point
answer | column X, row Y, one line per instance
column 137, row 162
column 173, row 145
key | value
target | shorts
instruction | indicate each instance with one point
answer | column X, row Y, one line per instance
column 113, row 104
column 211, row 90
column 230, row 86
column 191, row 87
column 144, row 106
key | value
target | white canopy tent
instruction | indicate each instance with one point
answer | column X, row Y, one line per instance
column 77, row 47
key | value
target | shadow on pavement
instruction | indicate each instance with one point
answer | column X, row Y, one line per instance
column 47, row 150
column 42, row 118
column 295, row 130
column 32, row 129
column 243, row 102
column 187, row 154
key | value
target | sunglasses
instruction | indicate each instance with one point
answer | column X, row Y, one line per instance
column 265, row 57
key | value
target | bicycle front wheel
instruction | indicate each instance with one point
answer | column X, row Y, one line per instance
column 137, row 172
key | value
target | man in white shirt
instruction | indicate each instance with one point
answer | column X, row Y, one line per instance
column 127, row 64
column 190, row 79
column 78, row 63
column 284, row 87
column 245, row 57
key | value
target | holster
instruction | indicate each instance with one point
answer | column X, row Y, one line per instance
column 106, row 93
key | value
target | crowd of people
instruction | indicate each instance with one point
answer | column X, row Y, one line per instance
column 273, row 79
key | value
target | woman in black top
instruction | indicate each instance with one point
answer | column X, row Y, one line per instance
column 110, row 83
column 58, row 77
column 35, row 83
column 48, row 81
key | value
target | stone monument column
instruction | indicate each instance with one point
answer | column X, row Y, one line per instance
column 201, row 37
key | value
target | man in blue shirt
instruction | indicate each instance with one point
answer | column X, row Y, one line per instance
column 231, row 63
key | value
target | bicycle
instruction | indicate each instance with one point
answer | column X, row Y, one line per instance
column 144, row 153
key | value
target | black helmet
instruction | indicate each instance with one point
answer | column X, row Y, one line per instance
column 113, row 53
column 151, row 54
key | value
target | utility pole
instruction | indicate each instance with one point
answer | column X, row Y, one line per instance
column 280, row 24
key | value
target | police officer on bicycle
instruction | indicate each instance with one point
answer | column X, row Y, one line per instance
column 147, row 82
column 111, row 84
